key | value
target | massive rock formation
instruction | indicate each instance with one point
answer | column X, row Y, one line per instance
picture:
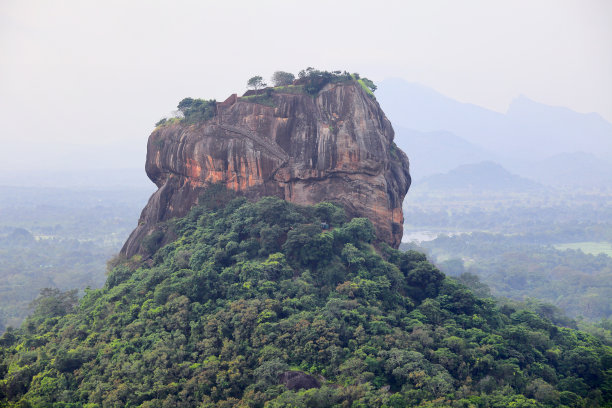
column 335, row 146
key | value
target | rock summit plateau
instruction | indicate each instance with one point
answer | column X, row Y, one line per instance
column 336, row 145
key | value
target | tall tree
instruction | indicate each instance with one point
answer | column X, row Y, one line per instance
column 282, row 78
column 256, row 83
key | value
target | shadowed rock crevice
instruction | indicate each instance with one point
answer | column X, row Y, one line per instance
column 298, row 380
column 336, row 146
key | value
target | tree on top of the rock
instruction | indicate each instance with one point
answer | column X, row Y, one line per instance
column 197, row 110
column 369, row 83
column 256, row 83
column 282, row 78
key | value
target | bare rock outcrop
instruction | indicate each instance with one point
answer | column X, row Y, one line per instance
column 298, row 380
column 335, row 146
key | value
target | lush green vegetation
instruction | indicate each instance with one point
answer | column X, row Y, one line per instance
column 192, row 111
column 314, row 80
column 264, row 98
column 290, row 89
column 367, row 86
column 515, row 242
column 310, row 81
column 28, row 265
column 578, row 283
column 256, row 82
column 197, row 110
column 251, row 290
column 58, row 238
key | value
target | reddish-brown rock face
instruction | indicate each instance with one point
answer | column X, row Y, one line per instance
column 337, row 146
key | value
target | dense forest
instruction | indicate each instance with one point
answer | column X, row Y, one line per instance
column 554, row 245
column 578, row 283
column 251, row 294
column 58, row 238
column 28, row 265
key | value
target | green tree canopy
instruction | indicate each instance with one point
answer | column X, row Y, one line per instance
column 249, row 291
column 281, row 78
column 256, row 83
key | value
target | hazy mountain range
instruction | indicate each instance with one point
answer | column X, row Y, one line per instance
column 485, row 175
column 551, row 145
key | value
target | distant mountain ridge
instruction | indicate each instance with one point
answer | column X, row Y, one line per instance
column 554, row 146
column 579, row 168
column 481, row 176
column 558, row 129
column 437, row 152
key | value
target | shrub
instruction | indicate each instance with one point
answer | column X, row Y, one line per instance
column 314, row 80
column 367, row 86
column 152, row 242
column 264, row 98
column 197, row 110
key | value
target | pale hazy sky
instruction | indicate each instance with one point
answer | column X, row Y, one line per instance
column 101, row 73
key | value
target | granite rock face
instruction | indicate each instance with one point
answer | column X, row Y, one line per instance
column 336, row 146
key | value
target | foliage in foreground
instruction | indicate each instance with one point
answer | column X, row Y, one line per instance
column 250, row 290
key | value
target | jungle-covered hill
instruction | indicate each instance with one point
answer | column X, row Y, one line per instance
column 251, row 294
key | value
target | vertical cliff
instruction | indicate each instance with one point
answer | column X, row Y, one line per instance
column 334, row 146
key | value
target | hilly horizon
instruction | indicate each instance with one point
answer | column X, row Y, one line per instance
column 528, row 130
column 578, row 169
column 480, row 177
column 437, row 151
column 550, row 145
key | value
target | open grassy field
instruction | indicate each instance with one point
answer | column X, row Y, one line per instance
column 594, row 248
